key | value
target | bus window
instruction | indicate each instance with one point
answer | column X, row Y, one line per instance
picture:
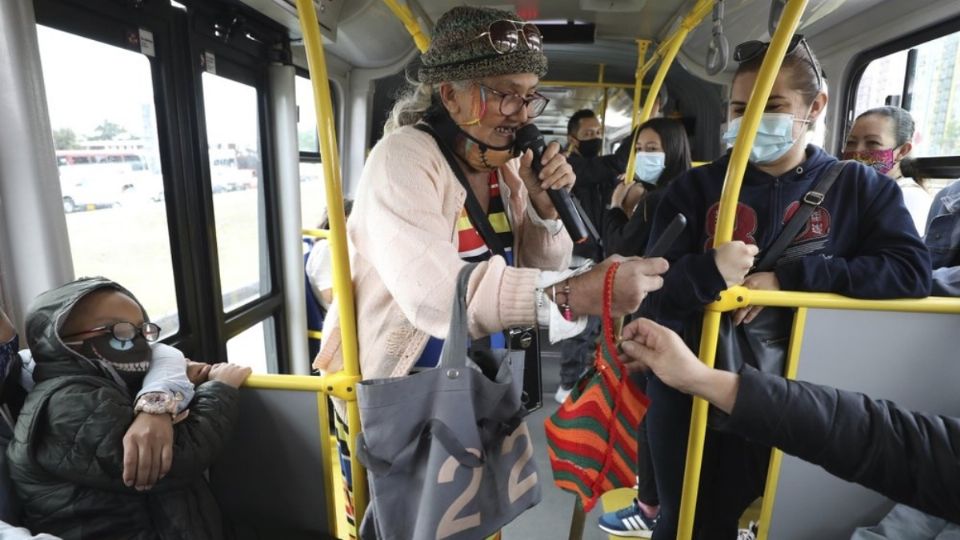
column 313, row 200
column 255, row 347
column 935, row 93
column 101, row 105
column 233, row 144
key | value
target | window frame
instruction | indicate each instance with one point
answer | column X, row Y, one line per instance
column 180, row 37
column 858, row 67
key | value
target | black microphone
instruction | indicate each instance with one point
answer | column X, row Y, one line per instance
column 529, row 138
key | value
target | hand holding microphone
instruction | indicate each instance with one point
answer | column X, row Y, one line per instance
column 557, row 172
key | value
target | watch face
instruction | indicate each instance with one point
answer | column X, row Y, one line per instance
column 155, row 403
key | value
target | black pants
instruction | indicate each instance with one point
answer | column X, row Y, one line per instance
column 646, row 479
column 732, row 476
column 576, row 353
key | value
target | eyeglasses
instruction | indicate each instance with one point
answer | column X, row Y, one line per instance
column 125, row 331
column 511, row 104
column 504, row 36
column 750, row 50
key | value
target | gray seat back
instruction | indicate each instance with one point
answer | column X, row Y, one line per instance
column 270, row 481
column 908, row 358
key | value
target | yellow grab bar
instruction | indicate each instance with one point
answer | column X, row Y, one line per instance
column 643, row 45
column 724, row 233
column 342, row 282
column 316, row 233
column 585, row 84
column 668, row 52
column 410, row 22
column 738, row 297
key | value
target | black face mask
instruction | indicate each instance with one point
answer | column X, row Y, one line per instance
column 589, row 148
column 130, row 359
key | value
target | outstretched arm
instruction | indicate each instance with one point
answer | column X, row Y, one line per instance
column 911, row 457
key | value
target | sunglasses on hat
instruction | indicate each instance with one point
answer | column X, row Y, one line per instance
column 750, row 50
column 504, row 36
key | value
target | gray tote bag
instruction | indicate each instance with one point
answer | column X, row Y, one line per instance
column 446, row 450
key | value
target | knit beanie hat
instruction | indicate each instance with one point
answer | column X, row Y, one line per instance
column 456, row 53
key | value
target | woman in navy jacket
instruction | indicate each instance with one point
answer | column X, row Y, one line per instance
column 860, row 242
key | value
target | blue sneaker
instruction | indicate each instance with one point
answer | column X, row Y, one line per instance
column 629, row 521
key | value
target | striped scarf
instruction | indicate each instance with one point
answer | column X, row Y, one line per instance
column 472, row 248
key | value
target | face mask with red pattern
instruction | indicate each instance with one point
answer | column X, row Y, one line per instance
column 881, row 160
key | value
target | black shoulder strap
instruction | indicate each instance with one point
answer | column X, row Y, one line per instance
column 810, row 202
column 477, row 216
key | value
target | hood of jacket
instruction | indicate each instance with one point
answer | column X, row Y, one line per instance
column 46, row 317
column 815, row 159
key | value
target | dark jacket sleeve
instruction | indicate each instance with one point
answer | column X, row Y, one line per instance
column 913, row 458
column 693, row 279
column 630, row 237
column 892, row 261
column 84, row 441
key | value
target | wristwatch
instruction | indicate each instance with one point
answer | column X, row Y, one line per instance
column 156, row 403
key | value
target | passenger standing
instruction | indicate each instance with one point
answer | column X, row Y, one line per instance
column 859, row 242
column 943, row 241
column 883, row 139
column 663, row 153
column 596, row 177
column 410, row 232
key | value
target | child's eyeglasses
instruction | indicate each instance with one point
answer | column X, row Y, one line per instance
column 125, row 331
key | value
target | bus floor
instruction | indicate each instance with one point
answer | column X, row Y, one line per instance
column 551, row 518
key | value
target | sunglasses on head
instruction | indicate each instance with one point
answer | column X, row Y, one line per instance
column 750, row 50
column 504, row 36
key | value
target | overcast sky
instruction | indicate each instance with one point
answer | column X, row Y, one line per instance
column 88, row 82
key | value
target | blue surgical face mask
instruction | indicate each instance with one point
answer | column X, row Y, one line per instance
column 774, row 136
column 650, row 165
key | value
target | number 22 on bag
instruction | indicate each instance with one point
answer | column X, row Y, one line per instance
column 452, row 523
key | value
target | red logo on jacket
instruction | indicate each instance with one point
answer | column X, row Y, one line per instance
column 744, row 224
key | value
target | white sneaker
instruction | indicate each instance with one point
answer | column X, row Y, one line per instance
column 562, row 394
column 750, row 533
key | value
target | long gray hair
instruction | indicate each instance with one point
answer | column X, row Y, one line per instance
column 414, row 102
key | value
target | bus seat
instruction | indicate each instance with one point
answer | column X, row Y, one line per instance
column 908, row 358
column 269, row 480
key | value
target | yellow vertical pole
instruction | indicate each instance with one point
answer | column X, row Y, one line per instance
column 403, row 13
column 724, row 233
column 642, row 46
column 667, row 51
column 342, row 282
column 603, row 105
column 776, row 456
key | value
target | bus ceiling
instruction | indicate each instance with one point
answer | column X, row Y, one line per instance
column 608, row 28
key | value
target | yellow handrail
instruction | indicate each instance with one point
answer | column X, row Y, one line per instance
column 724, row 233
column 341, row 384
column 410, row 22
column 643, row 45
column 738, row 297
column 668, row 52
column 316, row 233
column 585, row 84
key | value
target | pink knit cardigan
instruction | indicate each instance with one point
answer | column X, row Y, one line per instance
column 403, row 255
